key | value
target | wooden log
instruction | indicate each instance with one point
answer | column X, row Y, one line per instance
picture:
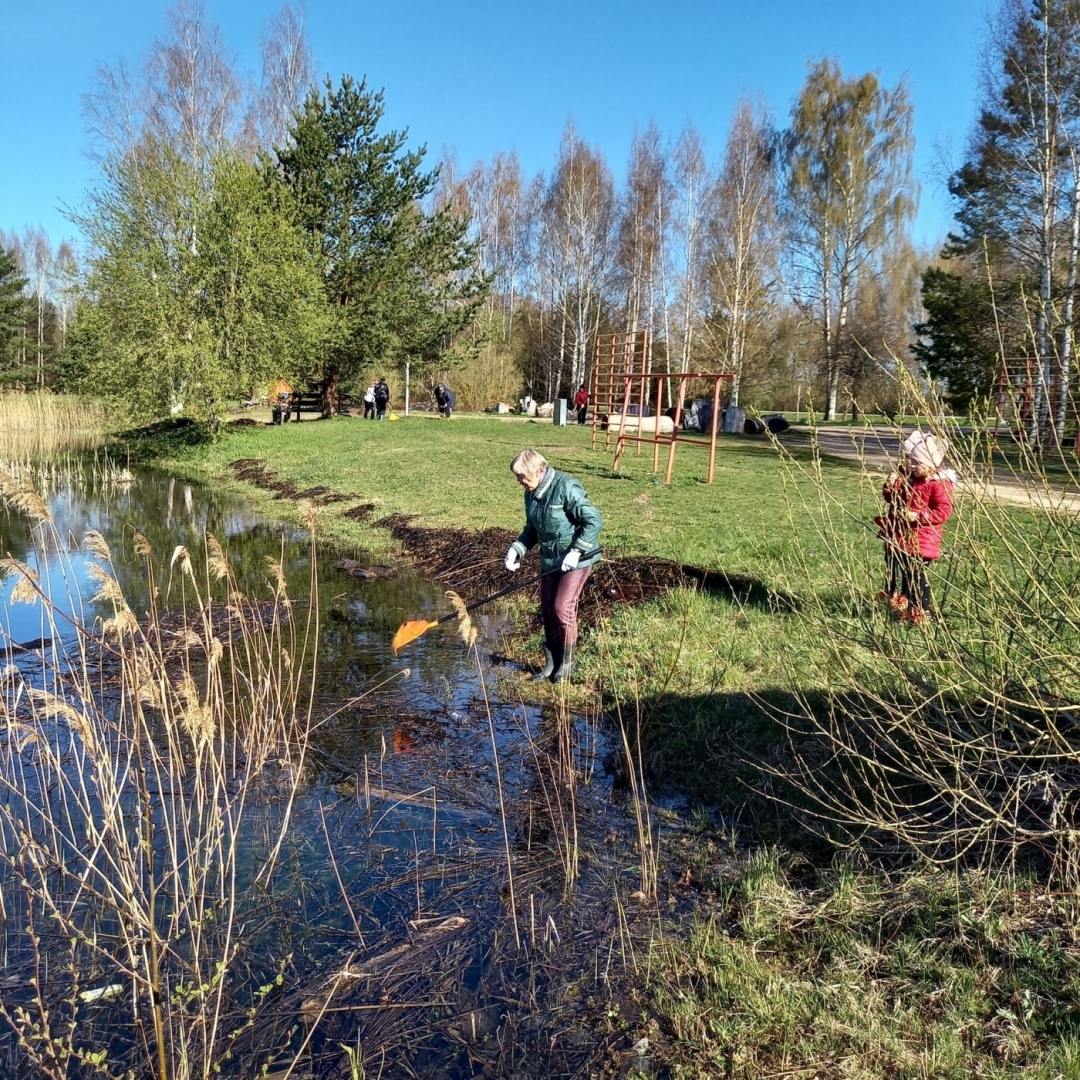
column 633, row 425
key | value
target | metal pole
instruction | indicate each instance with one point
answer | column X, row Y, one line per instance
column 712, row 426
column 675, row 433
column 406, row 387
column 620, row 442
column 659, row 381
column 595, row 390
column 643, row 395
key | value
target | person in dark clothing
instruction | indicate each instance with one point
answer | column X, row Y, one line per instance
column 382, row 399
column 560, row 518
column 445, row 399
column 581, row 403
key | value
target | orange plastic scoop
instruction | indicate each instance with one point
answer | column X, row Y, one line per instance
column 410, row 631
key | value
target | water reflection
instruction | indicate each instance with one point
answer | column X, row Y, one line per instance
column 397, row 825
column 358, row 616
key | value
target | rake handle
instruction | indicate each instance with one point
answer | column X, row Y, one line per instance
column 495, row 596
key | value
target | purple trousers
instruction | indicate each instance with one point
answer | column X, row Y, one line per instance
column 559, row 594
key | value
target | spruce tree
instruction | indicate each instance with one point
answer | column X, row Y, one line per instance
column 13, row 304
column 401, row 281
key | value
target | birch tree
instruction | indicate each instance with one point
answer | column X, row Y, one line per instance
column 742, row 238
column 642, row 227
column 505, row 214
column 578, row 218
column 192, row 93
column 39, row 269
column 65, row 288
column 849, row 188
column 287, row 74
column 1019, row 190
column 691, row 187
column 177, row 328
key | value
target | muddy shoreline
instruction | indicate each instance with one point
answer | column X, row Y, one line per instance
column 470, row 561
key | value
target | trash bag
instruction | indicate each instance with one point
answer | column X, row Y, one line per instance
column 697, row 415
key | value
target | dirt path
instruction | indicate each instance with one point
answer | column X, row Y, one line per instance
column 878, row 448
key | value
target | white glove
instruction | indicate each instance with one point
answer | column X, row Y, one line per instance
column 513, row 560
column 570, row 560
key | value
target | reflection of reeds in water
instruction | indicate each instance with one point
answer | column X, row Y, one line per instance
column 38, row 425
column 83, row 471
column 130, row 761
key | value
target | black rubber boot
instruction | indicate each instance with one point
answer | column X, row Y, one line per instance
column 562, row 672
column 547, row 669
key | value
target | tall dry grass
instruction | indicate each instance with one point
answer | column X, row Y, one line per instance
column 39, row 424
column 131, row 761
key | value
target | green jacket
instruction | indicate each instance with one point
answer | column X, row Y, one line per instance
column 559, row 516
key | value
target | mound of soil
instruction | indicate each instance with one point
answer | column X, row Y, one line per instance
column 254, row 471
column 471, row 561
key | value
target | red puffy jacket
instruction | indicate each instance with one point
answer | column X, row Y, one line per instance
column 931, row 499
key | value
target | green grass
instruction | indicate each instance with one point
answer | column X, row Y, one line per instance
column 794, row 969
column 747, row 524
column 863, row 975
column 458, row 474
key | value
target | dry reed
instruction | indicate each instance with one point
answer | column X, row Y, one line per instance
column 957, row 739
column 121, row 834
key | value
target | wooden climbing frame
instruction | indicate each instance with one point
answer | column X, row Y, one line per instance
column 623, row 385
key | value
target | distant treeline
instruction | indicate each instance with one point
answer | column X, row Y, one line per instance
column 240, row 233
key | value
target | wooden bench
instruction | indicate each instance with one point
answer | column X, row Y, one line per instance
column 290, row 406
column 309, row 401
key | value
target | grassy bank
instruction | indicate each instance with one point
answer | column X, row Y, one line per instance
column 456, row 475
column 794, row 965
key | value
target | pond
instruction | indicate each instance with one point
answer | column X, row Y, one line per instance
column 240, row 834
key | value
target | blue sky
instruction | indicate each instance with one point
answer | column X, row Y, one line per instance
column 483, row 76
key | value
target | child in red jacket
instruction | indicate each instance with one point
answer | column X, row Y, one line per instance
column 925, row 507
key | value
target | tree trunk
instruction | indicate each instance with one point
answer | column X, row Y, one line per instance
column 330, row 393
column 1065, row 376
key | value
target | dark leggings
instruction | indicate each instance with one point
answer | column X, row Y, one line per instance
column 559, row 595
column 914, row 583
column 892, row 568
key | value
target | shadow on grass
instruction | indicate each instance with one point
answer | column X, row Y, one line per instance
column 164, row 437
column 876, row 772
column 719, row 750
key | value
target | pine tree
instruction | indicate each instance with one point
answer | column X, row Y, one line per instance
column 13, row 304
column 401, row 281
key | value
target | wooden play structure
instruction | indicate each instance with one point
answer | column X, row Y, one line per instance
column 627, row 401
